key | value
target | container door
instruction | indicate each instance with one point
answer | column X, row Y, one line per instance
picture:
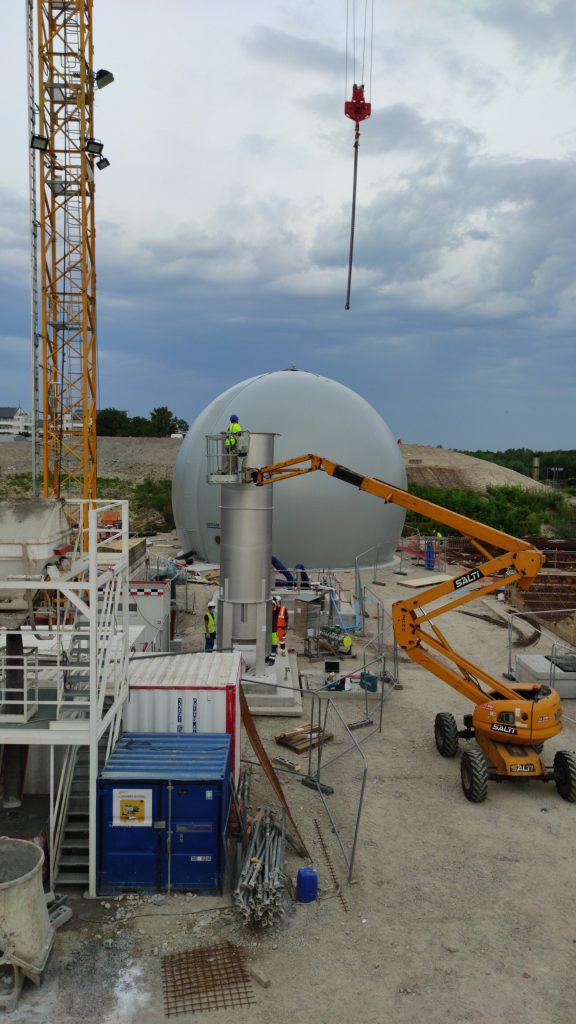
column 195, row 836
column 132, row 836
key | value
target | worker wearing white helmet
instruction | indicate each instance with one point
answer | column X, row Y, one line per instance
column 210, row 626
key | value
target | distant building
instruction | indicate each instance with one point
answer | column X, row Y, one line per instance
column 14, row 423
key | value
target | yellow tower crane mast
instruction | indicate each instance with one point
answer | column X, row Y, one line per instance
column 66, row 333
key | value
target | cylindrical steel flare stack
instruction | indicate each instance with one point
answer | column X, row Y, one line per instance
column 244, row 602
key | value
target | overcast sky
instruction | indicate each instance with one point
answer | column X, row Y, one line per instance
column 223, row 220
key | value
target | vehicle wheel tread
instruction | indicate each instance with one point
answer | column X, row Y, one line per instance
column 474, row 773
column 565, row 771
column 446, row 734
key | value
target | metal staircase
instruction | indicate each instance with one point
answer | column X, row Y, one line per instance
column 73, row 860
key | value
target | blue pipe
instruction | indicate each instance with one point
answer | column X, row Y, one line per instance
column 304, row 577
column 282, row 568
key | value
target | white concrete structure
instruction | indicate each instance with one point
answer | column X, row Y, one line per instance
column 74, row 698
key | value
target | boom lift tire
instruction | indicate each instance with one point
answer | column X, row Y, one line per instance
column 446, row 734
column 565, row 771
column 474, row 774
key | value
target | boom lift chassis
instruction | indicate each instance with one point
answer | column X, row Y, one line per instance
column 510, row 723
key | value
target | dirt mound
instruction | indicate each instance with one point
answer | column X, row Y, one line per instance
column 440, row 467
column 129, row 458
column 132, row 458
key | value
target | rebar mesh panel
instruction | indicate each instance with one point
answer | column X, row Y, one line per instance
column 212, row 978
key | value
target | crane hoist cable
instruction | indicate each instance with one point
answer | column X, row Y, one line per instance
column 358, row 109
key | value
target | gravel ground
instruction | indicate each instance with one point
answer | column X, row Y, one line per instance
column 459, row 913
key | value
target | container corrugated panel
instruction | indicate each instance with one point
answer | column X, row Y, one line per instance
column 182, row 709
column 192, row 693
column 203, row 669
column 163, row 802
column 168, row 756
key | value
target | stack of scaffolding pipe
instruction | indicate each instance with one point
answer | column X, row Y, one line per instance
column 260, row 893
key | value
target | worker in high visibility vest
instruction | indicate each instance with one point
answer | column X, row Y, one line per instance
column 210, row 626
column 233, row 434
column 281, row 626
column 271, row 659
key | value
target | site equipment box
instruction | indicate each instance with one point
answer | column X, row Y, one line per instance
column 163, row 802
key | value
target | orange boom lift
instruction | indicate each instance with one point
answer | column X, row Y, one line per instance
column 510, row 723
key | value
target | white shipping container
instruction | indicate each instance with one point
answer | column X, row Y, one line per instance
column 186, row 693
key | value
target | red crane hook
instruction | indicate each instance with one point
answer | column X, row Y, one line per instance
column 357, row 109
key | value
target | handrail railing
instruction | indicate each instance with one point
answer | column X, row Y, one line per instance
column 60, row 808
column 509, row 674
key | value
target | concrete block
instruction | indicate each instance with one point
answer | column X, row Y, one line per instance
column 262, row 979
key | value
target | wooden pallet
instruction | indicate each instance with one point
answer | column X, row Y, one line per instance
column 304, row 738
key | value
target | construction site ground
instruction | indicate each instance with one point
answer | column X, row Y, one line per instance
column 458, row 913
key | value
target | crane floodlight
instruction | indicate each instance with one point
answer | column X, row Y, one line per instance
column 103, row 78
column 39, row 142
column 93, row 146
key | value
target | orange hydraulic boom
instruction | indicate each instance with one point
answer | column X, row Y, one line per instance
column 510, row 723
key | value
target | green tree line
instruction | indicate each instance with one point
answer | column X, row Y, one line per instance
column 555, row 466
column 117, row 423
column 512, row 509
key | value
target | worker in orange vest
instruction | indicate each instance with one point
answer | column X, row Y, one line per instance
column 281, row 625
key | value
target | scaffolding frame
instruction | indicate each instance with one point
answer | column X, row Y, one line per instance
column 89, row 712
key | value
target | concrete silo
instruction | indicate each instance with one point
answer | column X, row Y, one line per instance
column 317, row 520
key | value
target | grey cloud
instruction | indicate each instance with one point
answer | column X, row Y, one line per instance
column 291, row 51
column 400, row 127
column 258, row 145
column 404, row 235
column 189, row 243
column 478, row 82
column 537, row 30
column 14, row 238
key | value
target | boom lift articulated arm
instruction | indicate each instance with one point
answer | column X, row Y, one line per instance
column 428, row 645
column 509, row 723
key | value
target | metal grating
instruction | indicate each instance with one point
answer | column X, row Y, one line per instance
column 566, row 663
column 212, row 978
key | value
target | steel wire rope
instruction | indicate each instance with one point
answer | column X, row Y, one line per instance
column 364, row 38
column 350, row 39
column 371, row 50
column 346, row 52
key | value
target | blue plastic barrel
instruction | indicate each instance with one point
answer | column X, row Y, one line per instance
column 306, row 885
column 429, row 554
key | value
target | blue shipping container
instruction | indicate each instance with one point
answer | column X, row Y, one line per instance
column 163, row 802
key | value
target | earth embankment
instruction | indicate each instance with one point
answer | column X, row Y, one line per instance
column 134, row 458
